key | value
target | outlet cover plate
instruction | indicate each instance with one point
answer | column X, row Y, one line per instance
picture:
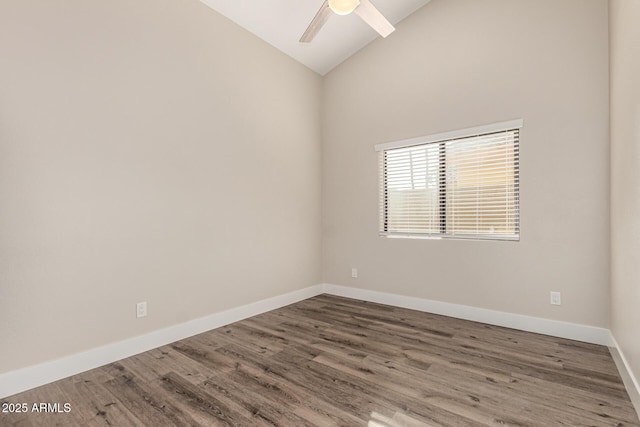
column 141, row 309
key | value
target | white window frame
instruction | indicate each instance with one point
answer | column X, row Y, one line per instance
column 447, row 137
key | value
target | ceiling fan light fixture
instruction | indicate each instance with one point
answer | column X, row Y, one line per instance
column 343, row 7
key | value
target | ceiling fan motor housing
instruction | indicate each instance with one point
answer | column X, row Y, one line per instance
column 343, row 7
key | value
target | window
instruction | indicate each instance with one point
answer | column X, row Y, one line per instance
column 462, row 184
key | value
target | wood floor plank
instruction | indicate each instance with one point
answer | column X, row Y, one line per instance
column 283, row 370
column 13, row 416
column 518, row 410
column 379, row 398
column 195, row 400
column 49, row 403
column 333, row 361
column 99, row 407
column 237, row 388
column 256, row 341
column 573, row 400
column 281, row 392
column 208, row 360
column 144, row 400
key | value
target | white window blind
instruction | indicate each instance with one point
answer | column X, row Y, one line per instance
column 462, row 187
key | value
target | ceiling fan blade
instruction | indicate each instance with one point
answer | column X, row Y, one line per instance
column 318, row 21
column 372, row 16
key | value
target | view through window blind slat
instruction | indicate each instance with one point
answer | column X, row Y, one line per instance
column 466, row 187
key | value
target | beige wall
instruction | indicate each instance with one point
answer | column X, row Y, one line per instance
column 625, row 176
column 457, row 64
column 149, row 150
column 153, row 150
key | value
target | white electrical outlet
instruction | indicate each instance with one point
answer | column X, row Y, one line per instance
column 556, row 298
column 141, row 309
column 354, row 273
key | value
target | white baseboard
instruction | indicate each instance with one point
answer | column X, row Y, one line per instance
column 574, row 331
column 554, row 328
column 26, row 378
column 631, row 383
column 33, row 376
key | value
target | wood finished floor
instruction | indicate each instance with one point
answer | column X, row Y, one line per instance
column 333, row 361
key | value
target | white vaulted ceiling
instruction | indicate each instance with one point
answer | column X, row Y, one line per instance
column 282, row 22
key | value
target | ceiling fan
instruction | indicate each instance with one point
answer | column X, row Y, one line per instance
column 363, row 8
